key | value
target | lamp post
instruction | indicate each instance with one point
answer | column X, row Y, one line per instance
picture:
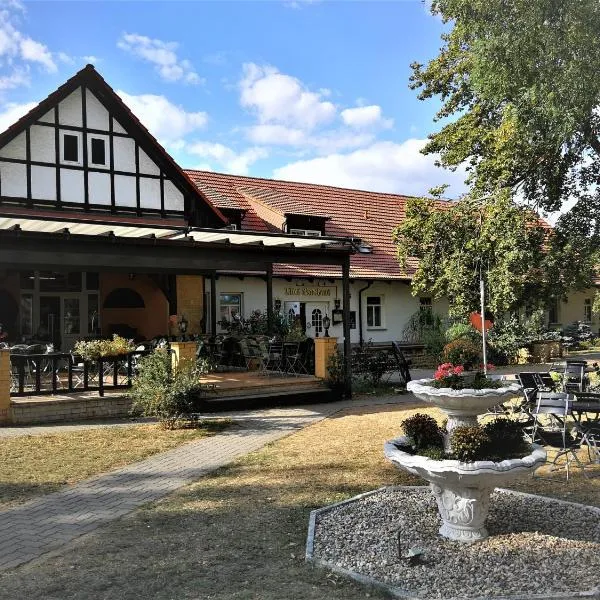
column 183, row 325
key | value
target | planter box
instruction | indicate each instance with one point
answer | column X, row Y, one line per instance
column 547, row 351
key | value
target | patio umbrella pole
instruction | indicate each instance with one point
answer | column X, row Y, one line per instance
column 482, row 295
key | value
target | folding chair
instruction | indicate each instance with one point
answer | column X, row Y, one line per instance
column 555, row 432
column 402, row 363
column 273, row 363
column 292, row 358
column 586, row 404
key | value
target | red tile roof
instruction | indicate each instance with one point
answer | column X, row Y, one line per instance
column 370, row 216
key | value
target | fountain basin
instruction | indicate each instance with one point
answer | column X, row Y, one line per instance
column 462, row 406
column 462, row 490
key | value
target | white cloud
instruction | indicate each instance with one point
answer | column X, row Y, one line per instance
column 91, row 59
column 365, row 116
column 165, row 120
column 276, row 98
column 162, row 55
column 234, row 162
column 13, row 112
column 323, row 142
column 382, row 167
column 16, row 46
column 18, row 77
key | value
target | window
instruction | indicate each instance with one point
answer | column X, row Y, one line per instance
column 230, row 306
column 316, row 319
column 306, row 232
column 98, row 151
column 374, row 311
column 587, row 310
column 425, row 304
column 70, row 148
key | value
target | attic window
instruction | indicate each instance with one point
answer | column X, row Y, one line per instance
column 98, row 151
column 306, row 232
column 70, row 148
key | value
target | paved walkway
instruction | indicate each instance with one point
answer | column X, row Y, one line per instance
column 48, row 523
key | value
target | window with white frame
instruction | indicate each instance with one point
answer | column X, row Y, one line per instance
column 306, row 232
column 374, row 311
column 587, row 310
column 230, row 306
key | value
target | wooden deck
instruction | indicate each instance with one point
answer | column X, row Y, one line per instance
column 230, row 391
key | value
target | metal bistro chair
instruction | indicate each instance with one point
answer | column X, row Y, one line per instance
column 292, row 358
column 551, row 428
column 586, row 404
column 574, row 376
column 402, row 363
column 273, row 363
column 530, row 386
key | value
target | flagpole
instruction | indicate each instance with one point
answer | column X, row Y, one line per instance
column 482, row 295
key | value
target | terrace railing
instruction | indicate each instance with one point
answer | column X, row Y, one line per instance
column 65, row 373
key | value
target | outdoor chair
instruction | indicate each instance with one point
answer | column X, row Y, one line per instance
column 292, row 358
column 552, row 428
column 586, row 412
column 574, row 376
column 273, row 363
column 402, row 363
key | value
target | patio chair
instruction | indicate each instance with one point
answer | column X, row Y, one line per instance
column 552, row 428
column 586, row 425
column 574, row 376
column 292, row 358
column 273, row 362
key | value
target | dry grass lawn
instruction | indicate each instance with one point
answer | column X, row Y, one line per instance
column 239, row 534
column 33, row 465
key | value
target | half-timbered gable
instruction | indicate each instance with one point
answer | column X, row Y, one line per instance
column 82, row 149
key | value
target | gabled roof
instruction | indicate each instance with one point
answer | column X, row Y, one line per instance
column 90, row 78
column 370, row 216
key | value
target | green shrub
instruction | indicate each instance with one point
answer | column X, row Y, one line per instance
column 458, row 331
column 369, row 365
column 423, row 431
column 506, row 439
column 158, row 390
column 336, row 370
column 434, row 452
column 469, row 443
column 92, row 350
column 462, row 352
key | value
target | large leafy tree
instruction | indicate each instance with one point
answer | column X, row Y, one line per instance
column 521, row 260
column 518, row 80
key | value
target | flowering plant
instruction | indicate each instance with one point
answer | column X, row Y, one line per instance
column 451, row 376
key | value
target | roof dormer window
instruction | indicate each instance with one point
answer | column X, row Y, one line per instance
column 306, row 232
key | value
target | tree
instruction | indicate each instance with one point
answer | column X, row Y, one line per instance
column 522, row 261
column 520, row 77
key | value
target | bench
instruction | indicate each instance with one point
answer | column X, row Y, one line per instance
column 381, row 361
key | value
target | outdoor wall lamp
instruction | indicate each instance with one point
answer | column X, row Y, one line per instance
column 326, row 325
column 277, row 304
column 182, row 324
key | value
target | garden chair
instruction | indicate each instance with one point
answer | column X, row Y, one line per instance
column 273, row 363
column 574, row 376
column 586, row 412
column 292, row 358
column 552, row 428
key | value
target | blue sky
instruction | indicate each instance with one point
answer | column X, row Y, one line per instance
column 302, row 90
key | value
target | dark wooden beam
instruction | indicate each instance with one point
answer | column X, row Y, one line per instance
column 270, row 296
column 213, row 303
column 346, row 327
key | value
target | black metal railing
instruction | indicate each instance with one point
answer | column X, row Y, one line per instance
column 65, row 373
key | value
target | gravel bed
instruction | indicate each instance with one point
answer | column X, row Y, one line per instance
column 536, row 545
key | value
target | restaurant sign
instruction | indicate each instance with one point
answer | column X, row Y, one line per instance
column 312, row 292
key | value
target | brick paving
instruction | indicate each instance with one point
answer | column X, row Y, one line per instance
column 48, row 523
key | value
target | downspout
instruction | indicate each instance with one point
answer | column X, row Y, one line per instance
column 360, row 311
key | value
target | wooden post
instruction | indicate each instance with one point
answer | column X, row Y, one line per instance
column 270, row 297
column 213, row 303
column 5, row 412
column 347, row 344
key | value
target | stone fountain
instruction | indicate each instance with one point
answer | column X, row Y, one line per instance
column 462, row 490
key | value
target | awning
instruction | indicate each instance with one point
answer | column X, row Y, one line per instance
column 199, row 235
